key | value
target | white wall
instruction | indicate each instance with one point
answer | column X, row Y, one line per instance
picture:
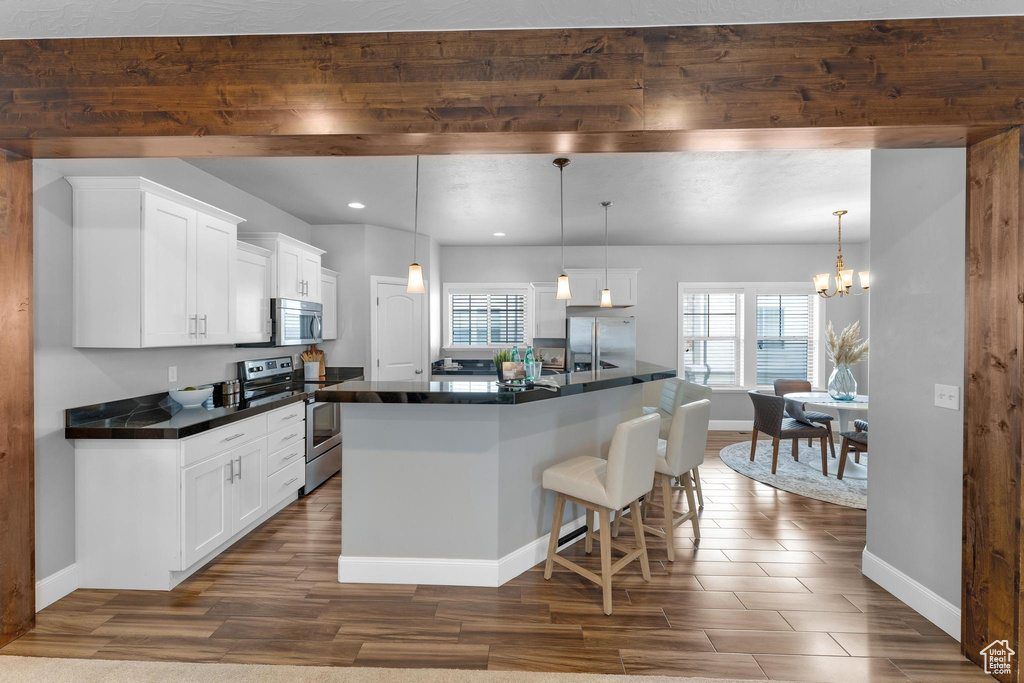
column 661, row 269
column 66, row 377
column 915, row 478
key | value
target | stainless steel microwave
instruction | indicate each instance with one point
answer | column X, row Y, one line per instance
column 295, row 323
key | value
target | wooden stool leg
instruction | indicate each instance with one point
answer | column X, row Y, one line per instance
column 638, row 531
column 695, row 473
column 796, row 450
column 831, row 441
column 688, row 485
column 588, row 542
column 617, row 523
column 824, row 458
column 556, row 526
column 666, row 501
column 842, row 457
column 775, row 454
column 753, row 445
column 606, row 559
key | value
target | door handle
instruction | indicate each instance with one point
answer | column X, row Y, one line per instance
column 239, row 468
column 193, row 328
column 206, row 326
column 230, row 464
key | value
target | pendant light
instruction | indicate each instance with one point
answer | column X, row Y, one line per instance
column 415, row 283
column 562, row 291
column 606, row 294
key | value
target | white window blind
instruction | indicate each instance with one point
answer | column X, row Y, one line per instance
column 712, row 338
column 486, row 319
column 786, row 346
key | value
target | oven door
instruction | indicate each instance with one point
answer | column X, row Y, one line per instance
column 297, row 323
column 323, row 428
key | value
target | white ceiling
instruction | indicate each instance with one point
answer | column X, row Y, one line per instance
column 767, row 197
column 79, row 18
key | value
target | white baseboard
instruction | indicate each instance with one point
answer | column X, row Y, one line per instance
column 55, row 586
column 922, row 599
column 731, row 425
column 445, row 572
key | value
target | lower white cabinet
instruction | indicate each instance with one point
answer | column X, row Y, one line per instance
column 206, row 506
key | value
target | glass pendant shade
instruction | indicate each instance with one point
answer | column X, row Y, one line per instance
column 562, row 291
column 865, row 278
column 415, row 284
column 606, row 298
column 820, row 282
column 847, row 279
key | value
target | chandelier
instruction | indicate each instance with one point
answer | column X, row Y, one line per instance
column 844, row 277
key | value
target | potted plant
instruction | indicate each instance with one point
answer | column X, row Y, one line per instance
column 500, row 357
column 845, row 350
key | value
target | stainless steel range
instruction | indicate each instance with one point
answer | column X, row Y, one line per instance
column 270, row 379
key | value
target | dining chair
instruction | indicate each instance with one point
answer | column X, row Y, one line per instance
column 792, row 386
column 770, row 418
column 857, row 441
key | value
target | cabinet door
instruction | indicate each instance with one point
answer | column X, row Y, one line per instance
column 623, row 287
column 168, row 273
column 586, row 286
column 252, row 298
column 329, row 299
column 311, row 276
column 289, row 271
column 206, row 507
column 548, row 312
column 249, row 491
column 216, row 244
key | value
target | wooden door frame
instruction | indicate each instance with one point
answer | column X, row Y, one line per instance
column 861, row 84
column 388, row 280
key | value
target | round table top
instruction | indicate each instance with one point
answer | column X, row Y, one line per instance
column 821, row 399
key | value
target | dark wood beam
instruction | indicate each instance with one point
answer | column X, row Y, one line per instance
column 993, row 496
column 17, row 424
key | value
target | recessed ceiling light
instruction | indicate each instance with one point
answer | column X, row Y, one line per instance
column 356, row 205
column 498, row 234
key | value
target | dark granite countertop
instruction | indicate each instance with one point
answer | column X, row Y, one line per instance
column 156, row 416
column 445, row 389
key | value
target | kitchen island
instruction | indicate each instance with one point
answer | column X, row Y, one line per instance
column 441, row 479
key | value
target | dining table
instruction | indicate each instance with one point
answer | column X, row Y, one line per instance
column 855, row 408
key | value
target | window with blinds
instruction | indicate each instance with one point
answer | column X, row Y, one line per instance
column 785, row 337
column 486, row 319
column 711, row 331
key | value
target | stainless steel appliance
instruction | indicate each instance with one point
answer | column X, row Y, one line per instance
column 294, row 323
column 601, row 342
column 270, row 379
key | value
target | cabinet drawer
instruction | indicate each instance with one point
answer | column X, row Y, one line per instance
column 283, row 483
column 221, row 439
column 283, row 438
column 286, row 456
column 291, row 414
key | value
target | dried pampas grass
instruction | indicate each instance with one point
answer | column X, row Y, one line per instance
column 847, row 348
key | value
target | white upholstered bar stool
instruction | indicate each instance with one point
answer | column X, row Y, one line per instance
column 682, row 453
column 674, row 393
column 601, row 486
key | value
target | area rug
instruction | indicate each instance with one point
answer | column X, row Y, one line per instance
column 803, row 477
column 47, row 670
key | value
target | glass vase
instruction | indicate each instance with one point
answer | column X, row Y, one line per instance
column 841, row 384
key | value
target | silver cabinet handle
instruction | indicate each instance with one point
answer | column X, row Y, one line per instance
column 290, row 417
column 291, row 481
column 239, row 467
column 291, row 436
column 289, row 457
column 206, row 326
column 419, row 372
column 193, row 328
column 232, row 438
column 231, row 464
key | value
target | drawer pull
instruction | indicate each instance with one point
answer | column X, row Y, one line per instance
column 290, row 417
column 232, row 438
column 291, row 481
column 289, row 457
column 291, row 436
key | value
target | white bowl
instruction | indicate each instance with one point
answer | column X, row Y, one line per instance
column 191, row 399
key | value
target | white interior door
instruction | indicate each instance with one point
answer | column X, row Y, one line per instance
column 216, row 241
column 399, row 333
column 169, row 273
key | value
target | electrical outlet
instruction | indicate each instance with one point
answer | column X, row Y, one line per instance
column 947, row 396
column 172, row 373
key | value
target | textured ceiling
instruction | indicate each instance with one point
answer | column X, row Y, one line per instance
column 779, row 197
column 80, row 18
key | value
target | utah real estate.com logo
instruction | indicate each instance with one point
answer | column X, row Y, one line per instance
column 997, row 657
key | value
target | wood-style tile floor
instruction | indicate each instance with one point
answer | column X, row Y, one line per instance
column 773, row 591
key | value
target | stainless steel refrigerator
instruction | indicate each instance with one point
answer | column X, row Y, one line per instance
column 611, row 341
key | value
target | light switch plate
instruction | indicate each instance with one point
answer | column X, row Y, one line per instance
column 947, row 396
column 172, row 374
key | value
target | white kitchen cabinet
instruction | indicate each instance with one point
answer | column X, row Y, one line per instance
column 252, row 294
column 329, row 299
column 294, row 265
column 206, row 506
column 151, row 266
column 249, row 488
column 587, row 283
column 548, row 312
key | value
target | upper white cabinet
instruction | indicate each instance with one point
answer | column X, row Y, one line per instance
column 548, row 312
column 252, row 294
column 294, row 265
column 329, row 299
column 587, row 283
column 151, row 266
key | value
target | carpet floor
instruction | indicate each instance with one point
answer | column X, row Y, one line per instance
column 802, row 477
column 47, row 670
